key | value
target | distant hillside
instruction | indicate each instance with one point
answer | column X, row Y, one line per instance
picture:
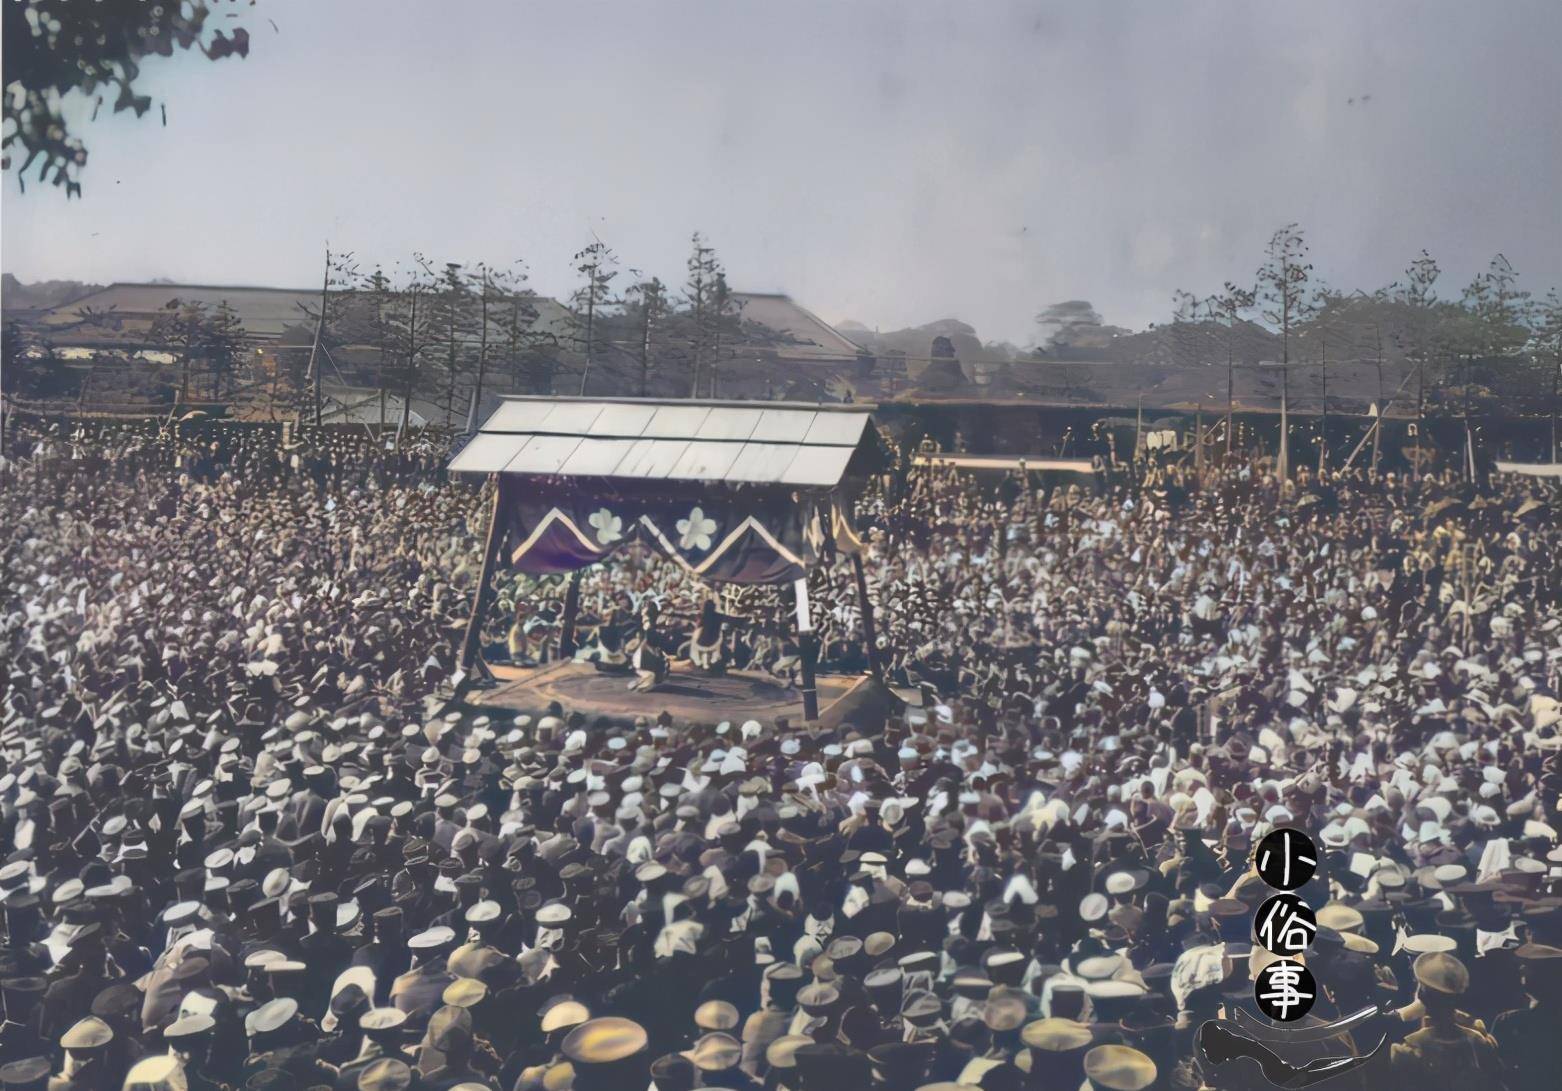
column 17, row 296
column 1172, row 365
column 916, row 343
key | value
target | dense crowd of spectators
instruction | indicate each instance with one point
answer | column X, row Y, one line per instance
column 246, row 846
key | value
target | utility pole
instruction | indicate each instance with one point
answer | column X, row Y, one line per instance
column 314, row 350
column 1231, row 376
column 1556, row 390
column 700, row 260
column 1198, row 438
column 1420, row 410
column 482, row 356
column 412, row 355
column 1377, row 425
column 1323, row 435
column 1464, row 399
column 1138, row 425
column 591, row 314
column 1283, row 462
column 1283, row 456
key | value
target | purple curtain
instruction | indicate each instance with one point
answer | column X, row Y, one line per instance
column 745, row 537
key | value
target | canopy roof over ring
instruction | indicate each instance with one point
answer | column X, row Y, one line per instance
column 735, row 492
column 792, row 444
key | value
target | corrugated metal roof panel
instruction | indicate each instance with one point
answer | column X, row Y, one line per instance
column 618, row 419
column 836, row 428
column 762, row 463
column 597, row 457
column 706, row 461
column 487, row 454
column 729, row 424
column 688, row 441
column 571, row 418
column 783, row 425
column 817, row 466
column 676, row 421
column 516, row 416
column 652, row 458
column 543, row 455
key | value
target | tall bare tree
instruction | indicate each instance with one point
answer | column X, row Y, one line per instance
column 330, row 317
column 451, row 303
column 224, row 347
column 1285, row 291
column 596, row 264
column 1495, row 335
column 1547, row 335
column 412, row 332
column 496, row 293
column 1419, row 332
column 647, row 306
column 1229, row 305
column 182, row 325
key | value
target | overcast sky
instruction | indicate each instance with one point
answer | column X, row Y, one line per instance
column 893, row 163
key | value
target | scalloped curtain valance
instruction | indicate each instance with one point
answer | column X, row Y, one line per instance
column 753, row 539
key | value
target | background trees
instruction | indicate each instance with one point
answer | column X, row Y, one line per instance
column 436, row 340
column 714, row 318
column 208, row 344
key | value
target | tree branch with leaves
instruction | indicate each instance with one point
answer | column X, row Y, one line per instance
column 59, row 50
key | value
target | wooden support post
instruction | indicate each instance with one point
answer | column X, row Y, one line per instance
column 1198, row 451
column 870, row 634
column 807, row 649
column 1369, row 437
column 571, row 609
column 470, row 659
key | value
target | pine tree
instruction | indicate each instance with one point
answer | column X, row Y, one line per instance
column 222, row 346
column 590, row 303
column 412, row 332
column 527, row 352
column 1286, row 292
column 182, row 325
column 1547, row 340
column 377, row 301
column 646, row 304
column 1420, row 331
column 451, row 302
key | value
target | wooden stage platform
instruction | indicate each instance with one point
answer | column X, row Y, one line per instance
column 688, row 695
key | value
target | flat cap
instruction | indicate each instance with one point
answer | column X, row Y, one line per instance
column 781, row 1052
column 603, row 1041
column 715, row 1052
column 1119, row 1068
column 382, row 1019
column 385, row 1074
column 1441, row 972
column 89, row 1033
column 26, row 1072
column 271, row 1016
column 715, row 1015
column 564, row 1014
column 1056, row 1035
